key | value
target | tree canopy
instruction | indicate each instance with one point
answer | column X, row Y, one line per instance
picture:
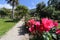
column 21, row 10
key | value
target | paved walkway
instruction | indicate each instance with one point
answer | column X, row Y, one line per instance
column 16, row 33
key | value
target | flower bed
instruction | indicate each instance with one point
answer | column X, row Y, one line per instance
column 45, row 29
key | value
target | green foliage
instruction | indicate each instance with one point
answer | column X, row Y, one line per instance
column 54, row 3
column 2, row 13
column 56, row 15
column 21, row 11
column 22, row 8
column 6, row 10
column 33, row 12
column 48, row 11
column 53, row 33
column 44, row 11
column 52, row 10
column 39, row 8
column 47, row 36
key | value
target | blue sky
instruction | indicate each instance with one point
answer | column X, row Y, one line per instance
column 29, row 3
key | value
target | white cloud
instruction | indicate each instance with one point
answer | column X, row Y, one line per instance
column 6, row 6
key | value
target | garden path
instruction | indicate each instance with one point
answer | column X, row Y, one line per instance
column 15, row 33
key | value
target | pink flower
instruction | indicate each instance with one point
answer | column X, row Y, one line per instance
column 58, row 31
column 31, row 29
column 48, row 24
column 44, row 20
column 37, row 24
column 55, row 23
column 41, row 28
column 45, row 25
column 31, row 22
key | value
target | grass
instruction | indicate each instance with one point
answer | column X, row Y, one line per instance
column 5, row 26
column 59, row 25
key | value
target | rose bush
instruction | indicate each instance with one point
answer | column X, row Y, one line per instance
column 46, row 29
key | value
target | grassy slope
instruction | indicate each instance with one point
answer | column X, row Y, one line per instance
column 5, row 26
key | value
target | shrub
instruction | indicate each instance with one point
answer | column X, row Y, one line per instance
column 45, row 29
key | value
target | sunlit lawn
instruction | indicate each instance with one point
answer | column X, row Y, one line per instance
column 5, row 26
column 59, row 25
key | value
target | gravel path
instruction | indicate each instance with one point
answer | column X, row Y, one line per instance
column 15, row 33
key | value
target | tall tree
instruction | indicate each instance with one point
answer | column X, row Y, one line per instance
column 13, row 3
column 54, row 3
column 39, row 8
column 21, row 10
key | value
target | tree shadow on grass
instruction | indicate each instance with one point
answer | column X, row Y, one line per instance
column 15, row 20
column 23, row 30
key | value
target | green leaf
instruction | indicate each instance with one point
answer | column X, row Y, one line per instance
column 54, row 36
column 47, row 36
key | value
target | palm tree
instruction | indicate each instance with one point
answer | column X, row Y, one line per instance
column 13, row 3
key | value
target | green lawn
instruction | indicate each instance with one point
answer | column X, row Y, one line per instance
column 59, row 25
column 5, row 26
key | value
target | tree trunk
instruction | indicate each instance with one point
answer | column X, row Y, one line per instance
column 12, row 12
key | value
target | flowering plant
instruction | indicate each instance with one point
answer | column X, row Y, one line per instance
column 46, row 29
